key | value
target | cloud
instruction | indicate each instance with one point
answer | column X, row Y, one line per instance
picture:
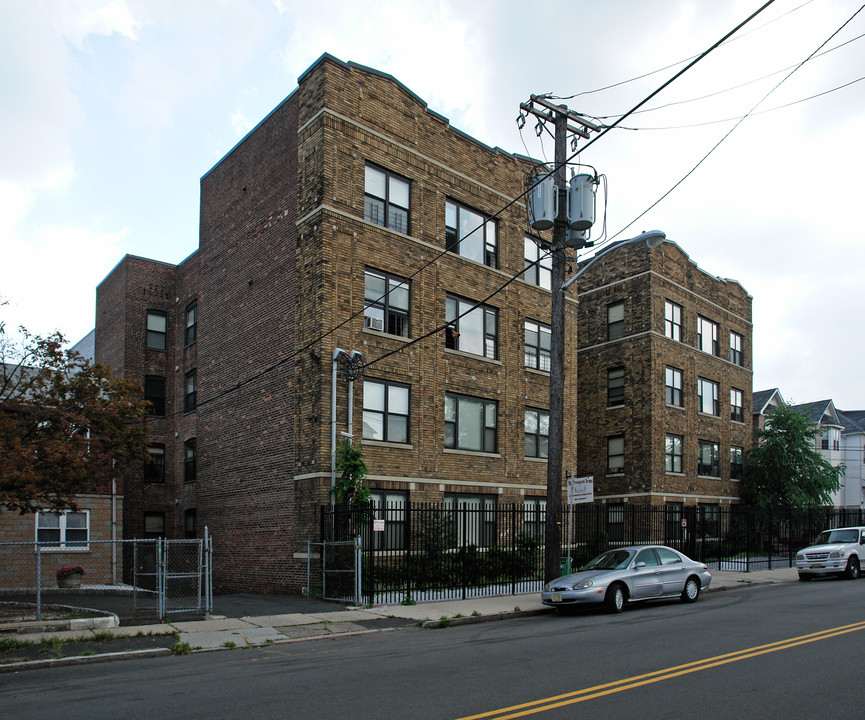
column 42, row 265
column 75, row 20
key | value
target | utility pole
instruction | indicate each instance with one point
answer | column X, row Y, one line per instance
column 560, row 116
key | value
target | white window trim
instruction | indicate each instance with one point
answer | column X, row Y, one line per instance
column 62, row 547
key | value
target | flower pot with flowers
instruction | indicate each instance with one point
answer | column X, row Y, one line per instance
column 69, row 576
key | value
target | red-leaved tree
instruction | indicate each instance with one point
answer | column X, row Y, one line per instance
column 67, row 426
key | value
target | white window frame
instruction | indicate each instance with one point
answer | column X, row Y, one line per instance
column 673, row 320
column 708, row 399
column 63, row 545
column 538, row 272
column 707, row 335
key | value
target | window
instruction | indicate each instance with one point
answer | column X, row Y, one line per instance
column 474, row 517
column 673, row 454
column 537, row 349
column 830, row 439
column 154, row 524
column 616, row 522
column 534, row 516
column 386, row 303
column 537, row 433
column 470, row 423
column 385, row 411
column 648, row 556
column 472, row 331
column 392, row 507
column 191, row 332
column 708, row 520
column 190, row 400
column 154, row 393
column 190, row 521
column 538, row 271
column 157, row 326
column 707, row 336
column 470, row 234
column 707, row 396
column 673, row 321
column 189, row 474
column 673, row 381
column 615, row 387
column 154, row 466
column 667, row 556
column 737, row 357
column 673, row 521
column 737, row 412
column 386, row 199
column 615, row 454
column 736, row 455
column 64, row 529
column 708, row 459
column 615, row 321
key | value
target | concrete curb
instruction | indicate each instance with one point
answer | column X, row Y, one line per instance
column 475, row 619
column 82, row 660
column 106, row 622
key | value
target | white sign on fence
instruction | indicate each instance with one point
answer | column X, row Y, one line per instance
column 581, row 490
column 378, row 525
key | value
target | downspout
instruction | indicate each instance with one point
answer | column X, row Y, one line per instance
column 337, row 354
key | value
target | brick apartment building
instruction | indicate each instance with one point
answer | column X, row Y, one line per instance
column 665, row 380
column 350, row 186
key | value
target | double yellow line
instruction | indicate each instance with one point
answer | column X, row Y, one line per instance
column 578, row 696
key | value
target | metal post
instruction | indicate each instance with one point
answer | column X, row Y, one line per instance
column 38, row 581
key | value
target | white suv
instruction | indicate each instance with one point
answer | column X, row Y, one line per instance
column 834, row 552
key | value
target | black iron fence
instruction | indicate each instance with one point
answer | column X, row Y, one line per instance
column 428, row 551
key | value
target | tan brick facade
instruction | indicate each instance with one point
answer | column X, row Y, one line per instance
column 645, row 280
column 279, row 282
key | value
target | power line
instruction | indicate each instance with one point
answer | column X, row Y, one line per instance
column 742, row 117
column 600, row 118
column 741, row 120
column 678, row 62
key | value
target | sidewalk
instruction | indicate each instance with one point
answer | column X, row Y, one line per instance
column 218, row 632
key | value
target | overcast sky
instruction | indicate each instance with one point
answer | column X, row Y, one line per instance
column 112, row 110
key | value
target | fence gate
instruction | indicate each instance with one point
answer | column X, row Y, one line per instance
column 340, row 565
column 173, row 576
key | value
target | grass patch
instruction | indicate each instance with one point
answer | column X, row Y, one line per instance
column 181, row 648
column 229, row 644
column 11, row 643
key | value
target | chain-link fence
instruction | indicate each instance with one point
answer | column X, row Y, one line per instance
column 150, row 577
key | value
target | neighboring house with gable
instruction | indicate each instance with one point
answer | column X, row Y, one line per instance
column 853, row 452
column 765, row 402
column 827, row 441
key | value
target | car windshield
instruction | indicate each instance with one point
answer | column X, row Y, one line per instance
column 613, row 560
column 837, row 536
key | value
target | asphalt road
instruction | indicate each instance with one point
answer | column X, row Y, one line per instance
column 777, row 651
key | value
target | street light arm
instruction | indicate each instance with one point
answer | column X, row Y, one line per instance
column 652, row 238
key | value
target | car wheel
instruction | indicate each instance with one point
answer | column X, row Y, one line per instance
column 852, row 571
column 805, row 577
column 691, row 591
column 615, row 598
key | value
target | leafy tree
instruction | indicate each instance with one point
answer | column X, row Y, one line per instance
column 66, row 426
column 350, row 488
column 784, row 470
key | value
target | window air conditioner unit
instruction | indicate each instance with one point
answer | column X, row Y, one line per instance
column 374, row 323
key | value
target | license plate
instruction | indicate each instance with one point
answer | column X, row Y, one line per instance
column 556, row 597
column 816, row 566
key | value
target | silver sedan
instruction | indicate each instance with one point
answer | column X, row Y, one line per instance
column 639, row 572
